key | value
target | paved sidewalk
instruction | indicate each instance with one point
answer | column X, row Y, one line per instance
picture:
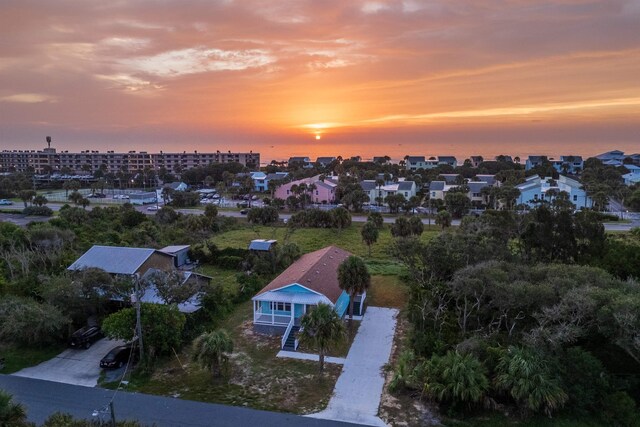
column 309, row 356
column 356, row 397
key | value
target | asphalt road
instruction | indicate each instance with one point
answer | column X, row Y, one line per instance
column 73, row 366
column 634, row 217
column 43, row 398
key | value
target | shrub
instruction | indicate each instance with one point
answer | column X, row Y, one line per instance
column 619, row 409
column 162, row 327
column 264, row 216
column 229, row 262
column 25, row 321
column 37, row 211
column 456, row 378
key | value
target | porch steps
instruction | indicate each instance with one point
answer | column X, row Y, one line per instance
column 290, row 343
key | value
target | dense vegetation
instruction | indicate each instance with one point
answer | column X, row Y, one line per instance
column 509, row 313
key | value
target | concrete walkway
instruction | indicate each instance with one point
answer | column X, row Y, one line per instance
column 309, row 356
column 356, row 397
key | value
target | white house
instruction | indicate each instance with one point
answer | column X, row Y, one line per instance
column 406, row 188
column 633, row 177
column 536, row 189
column 569, row 164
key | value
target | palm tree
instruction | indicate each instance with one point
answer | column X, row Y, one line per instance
column 11, row 414
column 369, row 234
column 322, row 328
column 456, row 378
column 354, row 279
column 525, row 376
column 211, row 350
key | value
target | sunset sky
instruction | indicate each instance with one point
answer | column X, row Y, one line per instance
column 367, row 77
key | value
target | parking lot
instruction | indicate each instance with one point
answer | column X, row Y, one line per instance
column 78, row 367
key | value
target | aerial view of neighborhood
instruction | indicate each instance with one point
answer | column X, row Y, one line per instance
column 303, row 213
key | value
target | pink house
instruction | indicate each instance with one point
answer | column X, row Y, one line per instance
column 325, row 191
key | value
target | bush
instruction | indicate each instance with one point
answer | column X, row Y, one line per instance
column 229, row 262
column 619, row 409
column 162, row 327
column 37, row 211
column 25, row 321
column 264, row 216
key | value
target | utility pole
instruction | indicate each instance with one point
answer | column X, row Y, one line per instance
column 137, row 296
column 113, row 414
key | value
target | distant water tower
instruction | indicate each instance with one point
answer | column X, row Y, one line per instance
column 48, row 142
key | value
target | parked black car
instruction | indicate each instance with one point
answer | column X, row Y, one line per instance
column 84, row 337
column 117, row 357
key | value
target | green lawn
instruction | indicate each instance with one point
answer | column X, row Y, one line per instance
column 17, row 358
column 256, row 378
column 311, row 239
column 226, row 278
column 387, row 291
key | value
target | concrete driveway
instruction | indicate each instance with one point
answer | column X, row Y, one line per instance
column 356, row 396
column 77, row 367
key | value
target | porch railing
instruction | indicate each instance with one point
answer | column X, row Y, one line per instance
column 286, row 334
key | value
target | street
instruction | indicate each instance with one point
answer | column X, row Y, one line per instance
column 634, row 218
column 43, row 398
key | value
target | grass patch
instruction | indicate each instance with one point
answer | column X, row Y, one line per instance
column 17, row 358
column 342, row 349
column 498, row 420
column 256, row 378
column 387, row 291
column 226, row 278
column 312, row 239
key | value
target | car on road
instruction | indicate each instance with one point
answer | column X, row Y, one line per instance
column 244, row 211
column 5, row 202
column 117, row 357
column 84, row 337
column 152, row 208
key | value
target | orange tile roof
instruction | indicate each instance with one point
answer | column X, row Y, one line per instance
column 317, row 271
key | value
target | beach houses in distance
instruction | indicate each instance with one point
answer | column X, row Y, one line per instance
column 536, row 190
column 311, row 280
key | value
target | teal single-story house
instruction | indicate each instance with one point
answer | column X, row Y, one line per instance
column 311, row 280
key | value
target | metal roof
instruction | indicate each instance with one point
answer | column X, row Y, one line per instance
column 113, row 259
column 405, row 185
column 174, row 249
column 415, row 159
column 261, row 244
column 292, row 297
column 436, row 186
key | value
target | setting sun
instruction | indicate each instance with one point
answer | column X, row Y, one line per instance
column 318, row 136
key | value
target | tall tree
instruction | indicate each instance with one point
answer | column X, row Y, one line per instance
column 369, row 234
column 323, row 329
column 354, row 279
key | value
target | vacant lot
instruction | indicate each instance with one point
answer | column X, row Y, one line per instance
column 256, row 377
column 311, row 239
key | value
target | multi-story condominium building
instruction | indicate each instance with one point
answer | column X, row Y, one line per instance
column 90, row 161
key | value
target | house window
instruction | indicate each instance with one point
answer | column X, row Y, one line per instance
column 287, row 191
column 281, row 306
column 317, row 193
column 476, row 194
column 433, row 194
column 575, row 198
column 535, row 197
